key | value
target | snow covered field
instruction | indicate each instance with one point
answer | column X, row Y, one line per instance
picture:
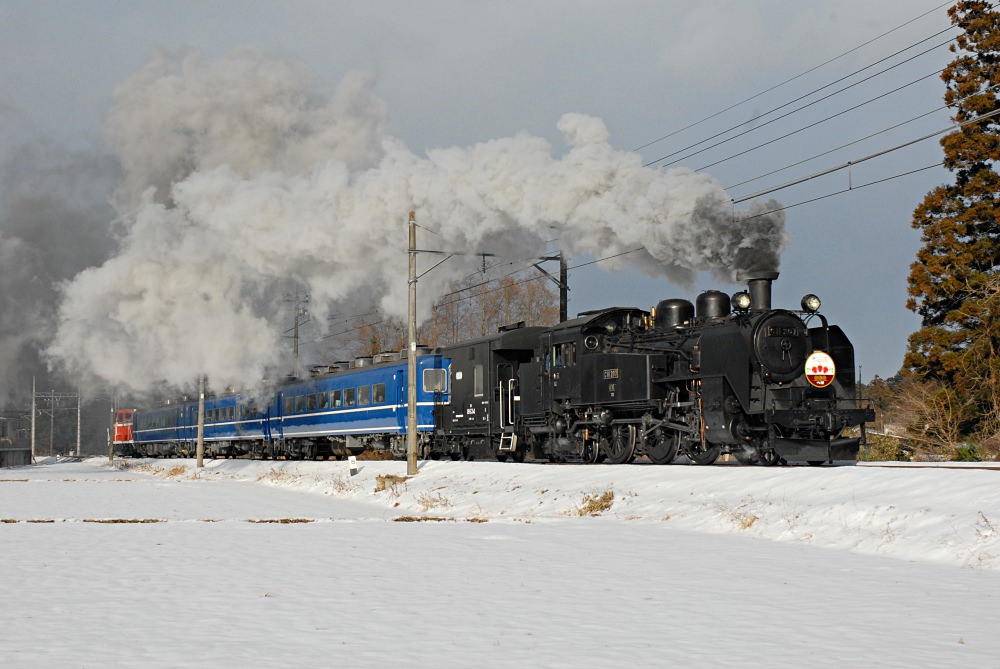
column 295, row 564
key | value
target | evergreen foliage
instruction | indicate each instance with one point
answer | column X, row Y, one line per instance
column 953, row 285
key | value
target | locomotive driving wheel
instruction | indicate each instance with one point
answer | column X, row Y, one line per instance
column 662, row 445
column 620, row 447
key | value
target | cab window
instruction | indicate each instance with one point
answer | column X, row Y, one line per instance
column 477, row 381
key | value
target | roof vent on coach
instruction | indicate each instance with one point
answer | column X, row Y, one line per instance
column 422, row 349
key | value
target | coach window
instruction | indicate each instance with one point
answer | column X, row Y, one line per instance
column 348, row 397
column 364, row 395
column 311, row 403
column 231, row 412
column 435, row 381
column 477, row 381
column 335, row 400
column 300, row 403
column 324, row 401
column 378, row 393
column 289, row 405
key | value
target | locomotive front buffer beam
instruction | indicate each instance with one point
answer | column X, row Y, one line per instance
column 817, row 450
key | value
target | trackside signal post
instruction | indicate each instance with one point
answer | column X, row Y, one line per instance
column 411, row 358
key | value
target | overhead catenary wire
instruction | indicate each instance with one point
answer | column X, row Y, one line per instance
column 600, row 260
column 803, row 107
column 819, row 122
column 841, row 192
column 862, row 139
column 798, row 76
column 736, row 201
column 851, row 163
column 797, row 204
column 802, row 97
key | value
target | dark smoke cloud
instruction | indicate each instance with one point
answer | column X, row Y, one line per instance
column 54, row 222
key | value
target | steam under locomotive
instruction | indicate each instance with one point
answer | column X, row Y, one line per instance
column 724, row 375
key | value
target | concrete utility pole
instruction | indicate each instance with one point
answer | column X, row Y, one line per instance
column 111, row 429
column 32, row 419
column 78, row 421
column 201, row 421
column 411, row 358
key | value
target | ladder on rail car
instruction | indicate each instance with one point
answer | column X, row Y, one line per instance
column 508, row 440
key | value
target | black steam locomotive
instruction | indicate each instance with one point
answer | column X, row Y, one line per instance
column 731, row 375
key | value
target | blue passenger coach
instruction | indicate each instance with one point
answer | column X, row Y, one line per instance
column 343, row 411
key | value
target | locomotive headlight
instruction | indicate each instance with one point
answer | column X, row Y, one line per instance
column 810, row 303
column 741, row 301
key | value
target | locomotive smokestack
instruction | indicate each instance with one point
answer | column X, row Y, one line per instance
column 759, row 285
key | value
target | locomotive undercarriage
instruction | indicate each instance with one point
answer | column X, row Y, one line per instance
column 619, row 434
column 804, row 430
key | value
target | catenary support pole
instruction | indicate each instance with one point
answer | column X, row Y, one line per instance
column 201, row 421
column 33, row 410
column 411, row 358
column 111, row 431
column 78, row 421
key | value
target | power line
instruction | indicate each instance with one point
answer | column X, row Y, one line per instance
column 835, row 149
column 535, row 278
column 798, row 109
column 798, row 76
column 840, row 192
column 811, row 125
column 862, row 139
column 851, row 163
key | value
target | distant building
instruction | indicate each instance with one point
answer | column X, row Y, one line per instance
column 15, row 439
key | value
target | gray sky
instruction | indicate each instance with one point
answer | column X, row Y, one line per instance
column 461, row 73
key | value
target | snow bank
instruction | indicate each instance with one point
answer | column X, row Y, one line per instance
column 946, row 515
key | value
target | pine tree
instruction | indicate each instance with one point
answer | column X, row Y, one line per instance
column 953, row 284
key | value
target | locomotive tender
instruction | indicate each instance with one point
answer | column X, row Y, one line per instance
column 727, row 375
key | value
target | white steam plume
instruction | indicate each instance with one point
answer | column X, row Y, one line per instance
column 229, row 197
